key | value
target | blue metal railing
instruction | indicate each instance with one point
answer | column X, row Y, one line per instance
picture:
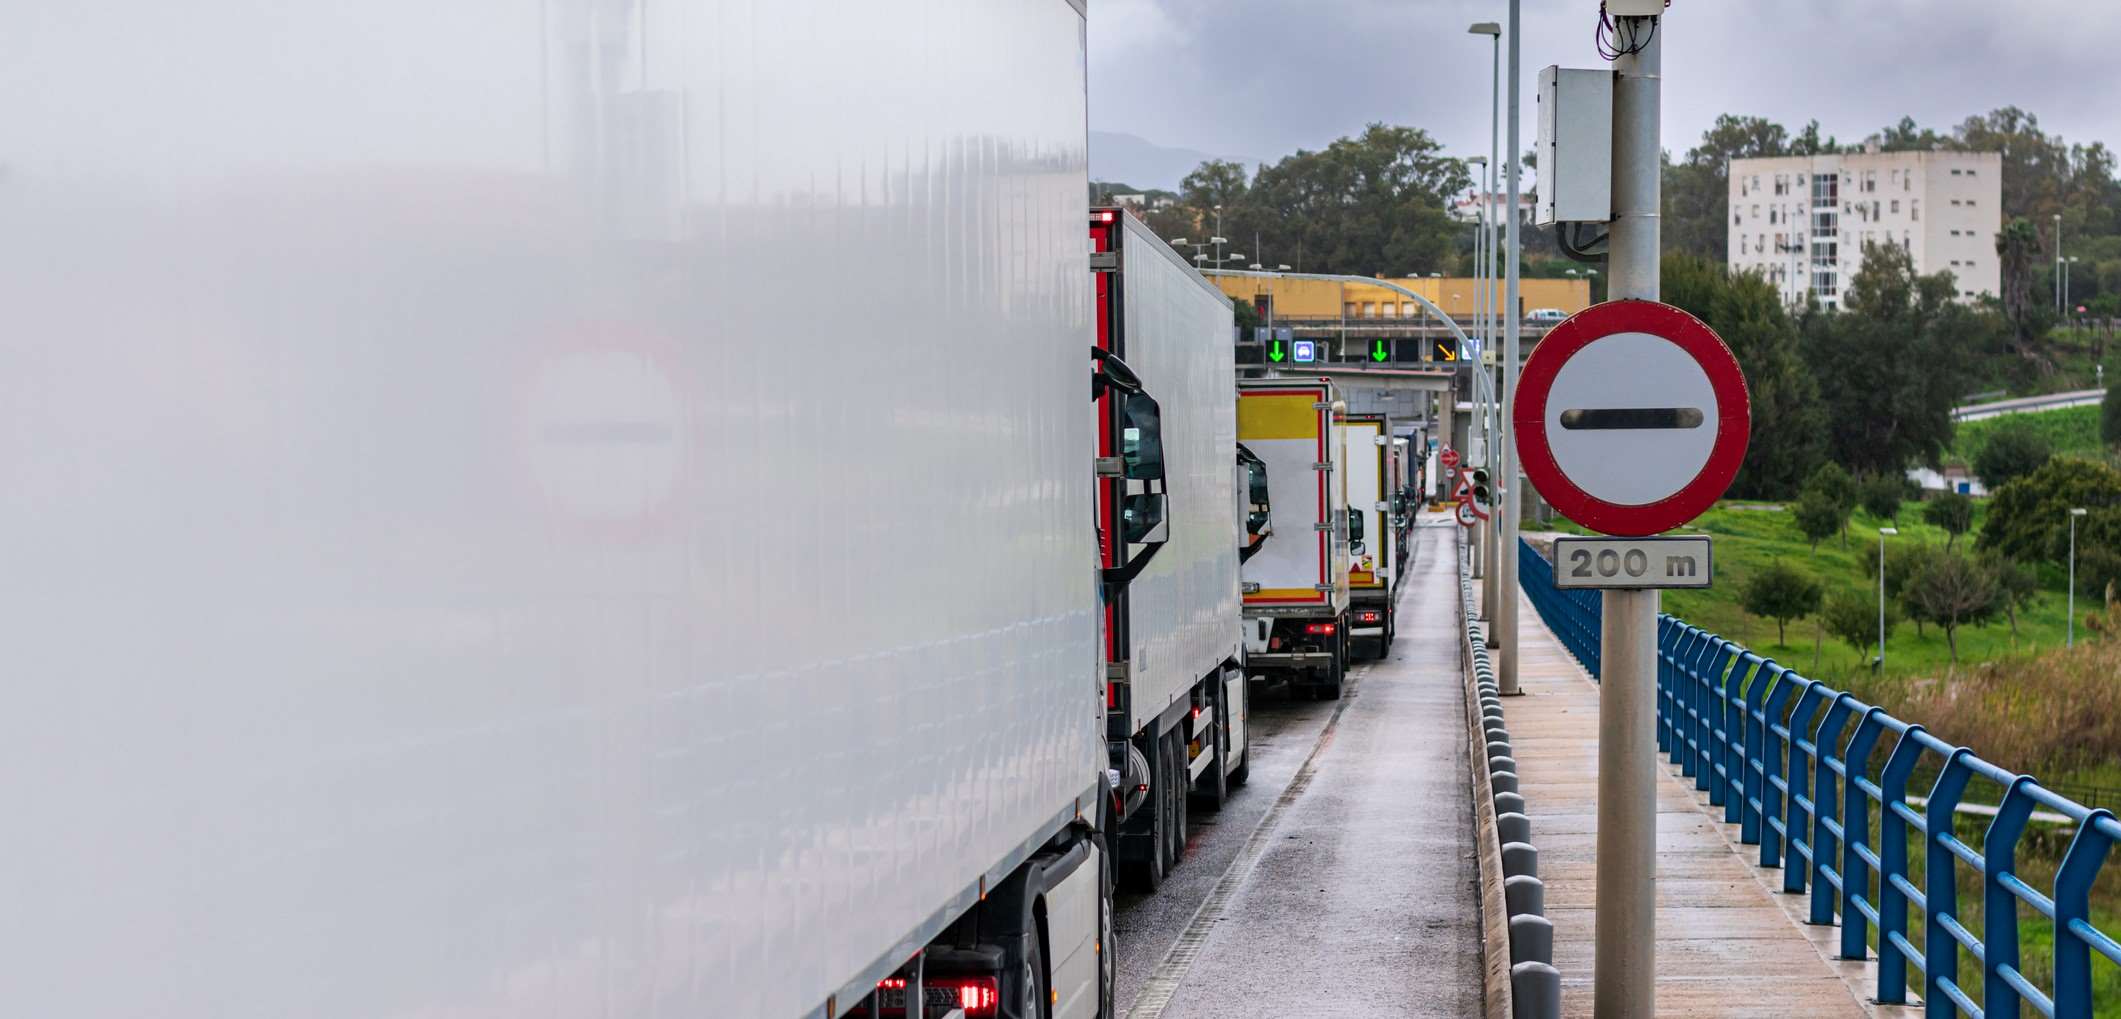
column 1804, row 770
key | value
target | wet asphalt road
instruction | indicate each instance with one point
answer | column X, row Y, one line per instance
column 1358, row 898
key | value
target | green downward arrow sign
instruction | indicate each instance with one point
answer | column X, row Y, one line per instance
column 1274, row 352
column 1377, row 351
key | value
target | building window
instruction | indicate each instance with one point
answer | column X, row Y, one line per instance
column 1955, row 201
column 1738, row 219
column 1369, row 309
column 1914, row 208
column 1896, row 206
column 1875, row 213
column 1741, row 245
column 1406, row 309
column 1771, row 212
column 1969, row 203
column 1350, row 309
column 1969, row 173
column 1956, row 172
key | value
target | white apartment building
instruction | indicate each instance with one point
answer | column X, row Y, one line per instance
column 1802, row 221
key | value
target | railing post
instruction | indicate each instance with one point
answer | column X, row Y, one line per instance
column 1755, row 767
column 1940, row 886
column 1797, row 815
column 1668, row 632
column 1826, row 797
column 1708, row 682
column 1731, row 739
column 1764, row 701
column 1892, row 859
column 1856, row 834
column 2073, row 891
column 1688, row 645
column 1999, row 907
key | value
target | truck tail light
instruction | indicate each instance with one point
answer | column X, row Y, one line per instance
column 1369, row 617
column 1319, row 629
column 980, row 997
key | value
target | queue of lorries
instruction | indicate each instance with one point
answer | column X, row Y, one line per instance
column 612, row 514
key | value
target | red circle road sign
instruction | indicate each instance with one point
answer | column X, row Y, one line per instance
column 1449, row 457
column 1631, row 417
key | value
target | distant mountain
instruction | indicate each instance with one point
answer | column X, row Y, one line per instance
column 1116, row 156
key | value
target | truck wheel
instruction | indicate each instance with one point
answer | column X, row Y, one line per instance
column 1107, row 942
column 1215, row 784
column 1336, row 672
column 1036, row 980
column 1178, row 785
column 1147, row 875
column 1243, row 772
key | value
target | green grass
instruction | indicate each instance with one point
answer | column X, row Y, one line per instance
column 1748, row 539
column 2069, row 431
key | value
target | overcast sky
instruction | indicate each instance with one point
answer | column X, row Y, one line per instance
column 1259, row 78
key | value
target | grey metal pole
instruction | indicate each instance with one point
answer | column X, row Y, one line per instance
column 2071, row 640
column 1626, row 925
column 1506, row 457
column 1881, row 602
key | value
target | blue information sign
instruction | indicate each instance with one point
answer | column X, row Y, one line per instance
column 1303, row 351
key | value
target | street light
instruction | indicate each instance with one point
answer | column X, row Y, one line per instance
column 2074, row 513
column 1883, row 533
column 2069, row 266
column 1487, row 323
column 2058, row 263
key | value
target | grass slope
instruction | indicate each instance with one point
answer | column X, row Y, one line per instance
column 2070, row 431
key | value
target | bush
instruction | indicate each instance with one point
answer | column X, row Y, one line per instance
column 1852, row 616
column 1952, row 591
column 2015, row 450
column 2058, row 712
column 1781, row 593
column 1952, row 512
column 2028, row 520
column 1818, row 517
column 1880, row 495
column 2110, row 416
column 1830, row 480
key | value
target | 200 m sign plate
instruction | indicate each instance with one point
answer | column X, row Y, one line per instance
column 1631, row 563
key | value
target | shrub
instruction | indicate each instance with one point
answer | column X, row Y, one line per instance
column 1951, row 511
column 2057, row 712
column 1951, row 591
column 2110, row 416
column 1818, row 517
column 1880, row 495
column 1831, row 480
column 2028, row 520
column 1852, row 616
column 2013, row 451
column 1781, row 593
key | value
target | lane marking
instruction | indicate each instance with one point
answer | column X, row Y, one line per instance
column 1162, row 985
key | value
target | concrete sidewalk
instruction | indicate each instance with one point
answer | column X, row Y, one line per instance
column 1362, row 901
column 1728, row 943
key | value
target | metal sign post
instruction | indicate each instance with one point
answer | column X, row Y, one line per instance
column 1631, row 418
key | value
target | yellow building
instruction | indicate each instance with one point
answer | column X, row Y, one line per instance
column 1302, row 300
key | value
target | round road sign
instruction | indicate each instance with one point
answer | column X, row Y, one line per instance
column 1449, row 457
column 1631, row 417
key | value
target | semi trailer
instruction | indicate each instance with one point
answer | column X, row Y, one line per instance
column 1175, row 686
column 1296, row 591
column 438, row 579
column 1373, row 534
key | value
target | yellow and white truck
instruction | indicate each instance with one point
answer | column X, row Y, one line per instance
column 1373, row 539
column 1296, row 585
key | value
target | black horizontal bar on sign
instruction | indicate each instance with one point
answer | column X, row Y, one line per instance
column 1617, row 418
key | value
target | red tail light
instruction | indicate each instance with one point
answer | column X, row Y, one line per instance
column 1316, row 629
column 1369, row 617
column 980, row 997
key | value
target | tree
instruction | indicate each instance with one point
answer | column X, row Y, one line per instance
column 1818, row 517
column 1951, row 511
column 1880, row 495
column 2016, row 585
column 1781, row 593
column 1952, row 591
column 1902, row 561
column 1747, row 312
column 2015, row 449
column 2110, row 416
column 1838, row 489
column 1852, row 617
column 1901, row 349
column 2018, row 249
column 2028, row 518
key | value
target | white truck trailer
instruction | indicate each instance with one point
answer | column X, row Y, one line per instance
column 439, row 581
column 1296, row 586
column 1373, row 539
column 1175, row 683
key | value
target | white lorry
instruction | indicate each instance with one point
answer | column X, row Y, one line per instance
column 1296, row 586
column 1373, row 538
column 439, row 581
column 1175, row 682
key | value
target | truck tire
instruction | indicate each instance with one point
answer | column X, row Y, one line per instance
column 1214, row 785
column 1147, row 875
column 1336, row 673
column 1035, row 981
column 1179, row 782
column 1107, row 941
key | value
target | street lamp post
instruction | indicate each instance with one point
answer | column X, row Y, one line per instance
column 2074, row 513
column 2058, row 263
column 1491, row 594
column 1883, row 533
column 2069, row 269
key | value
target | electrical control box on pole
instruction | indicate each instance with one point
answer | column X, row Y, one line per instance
column 1631, row 418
